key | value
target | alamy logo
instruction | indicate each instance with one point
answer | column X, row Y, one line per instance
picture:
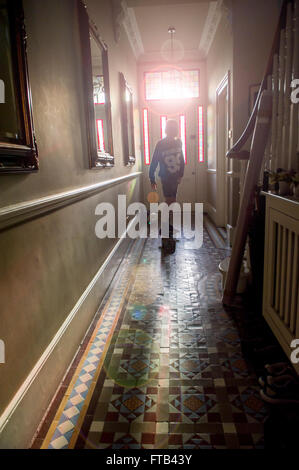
column 295, row 93
column 2, row 352
column 295, row 353
column 2, row 92
column 105, row 226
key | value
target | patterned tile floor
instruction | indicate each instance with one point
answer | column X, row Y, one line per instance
column 164, row 368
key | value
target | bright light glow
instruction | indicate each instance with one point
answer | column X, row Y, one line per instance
column 183, row 135
column 201, row 152
column 98, row 89
column 99, row 98
column 172, row 84
column 163, row 121
column 147, row 158
column 128, row 96
column 100, row 133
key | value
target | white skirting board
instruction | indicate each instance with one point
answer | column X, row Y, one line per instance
column 22, row 416
column 210, row 210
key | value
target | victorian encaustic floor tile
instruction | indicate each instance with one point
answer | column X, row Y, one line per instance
column 163, row 367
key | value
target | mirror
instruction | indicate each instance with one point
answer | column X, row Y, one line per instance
column 18, row 152
column 97, row 92
column 10, row 128
column 127, row 119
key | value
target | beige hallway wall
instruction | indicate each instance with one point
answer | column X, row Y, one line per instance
column 47, row 263
column 219, row 63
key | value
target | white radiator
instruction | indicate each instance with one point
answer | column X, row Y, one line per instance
column 281, row 269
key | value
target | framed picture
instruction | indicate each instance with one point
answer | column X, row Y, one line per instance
column 127, row 118
column 95, row 72
column 253, row 94
column 18, row 151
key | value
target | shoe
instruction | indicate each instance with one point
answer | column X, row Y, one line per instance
column 281, row 390
column 280, row 368
column 266, row 380
column 276, row 370
column 168, row 245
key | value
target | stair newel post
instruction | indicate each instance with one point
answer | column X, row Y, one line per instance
column 257, row 152
column 279, row 139
column 294, row 122
column 288, row 79
column 275, row 89
column 266, row 164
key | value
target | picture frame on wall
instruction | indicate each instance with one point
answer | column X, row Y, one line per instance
column 127, row 118
column 95, row 74
column 18, row 149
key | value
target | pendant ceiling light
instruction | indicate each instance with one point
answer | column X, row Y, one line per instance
column 171, row 31
column 172, row 50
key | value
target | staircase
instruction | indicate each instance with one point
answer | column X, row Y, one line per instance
column 217, row 234
column 273, row 128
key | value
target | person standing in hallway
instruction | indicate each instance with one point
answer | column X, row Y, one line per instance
column 169, row 156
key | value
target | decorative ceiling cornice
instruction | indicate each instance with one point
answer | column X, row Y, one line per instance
column 118, row 17
column 124, row 16
column 132, row 30
column 227, row 10
column 216, row 10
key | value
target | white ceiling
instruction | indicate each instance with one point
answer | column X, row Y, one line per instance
column 135, row 3
column 152, row 19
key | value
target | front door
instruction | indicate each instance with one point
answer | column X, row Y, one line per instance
column 187, row 120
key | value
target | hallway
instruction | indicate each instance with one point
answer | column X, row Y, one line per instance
column 163, row 367
column 109, row 108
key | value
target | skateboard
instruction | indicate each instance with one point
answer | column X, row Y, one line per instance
column 169, row 244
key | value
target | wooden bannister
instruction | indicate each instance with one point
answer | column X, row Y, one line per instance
column 258, row 146
column 273, row 103
column 236, row 151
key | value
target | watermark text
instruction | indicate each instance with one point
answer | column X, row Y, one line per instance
column 2, row 92
column 295, row 354
column 2, row 352
column 146, row 224
column 295, row 93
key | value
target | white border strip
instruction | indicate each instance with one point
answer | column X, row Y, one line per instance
column 16, row 213
column 132, row 30
column 15, row 402
column 210, row 27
